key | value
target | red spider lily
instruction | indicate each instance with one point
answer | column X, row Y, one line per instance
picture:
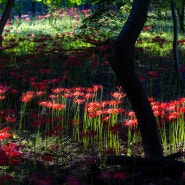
column 11, row 111
column 130, row 113
column 92, row 115
column 73, row 60
column 106, row 118
column 14, row 162
column 181, row 42
column 110, row 151
column 75, row 122
column 12, row 150
column 130, row 123
column 159, row 40
column 66, row 95
column 27, row 97
column 52, row 105
column 47, row 158
column 158, row 113
column 181, row 100
column 2, row 97
column 120, row 176
column 142, row 78
column 40, row 93
column 173, row 116
column 57, row 90
column 153, row 74
column 10, row 119
column 3, row 89
column 92, row 106
column 40, row 85
column 78, row 93
column 170, row 107
column 114, row 129
column 111, row 103
column 79, row 101
column 5, row 133
column 56, row 106
column 78, row 89
column 147, row 28
column 37, row 122
column 52, row 96
column 118, row 95
column 97, row 87
column 90, row 90
column 89, row 96
column 181, row 110
column 115, row 111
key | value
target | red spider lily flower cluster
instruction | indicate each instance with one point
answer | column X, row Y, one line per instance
column 159, row 40
column 3, row 90
column 5, row 133
column 47, row 158
column 170, row 111
column 8, row 116
column 27, row 97
column 52, row 105
column 164, row 111
column 9, row 154
column 147, row 28
column 79, row 95
column 153, row 74
column 118, row 95
column 103, row 108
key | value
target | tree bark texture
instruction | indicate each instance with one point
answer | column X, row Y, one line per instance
column 5, row 17
column 175, row 41
column 180, row 12
column 122, row 62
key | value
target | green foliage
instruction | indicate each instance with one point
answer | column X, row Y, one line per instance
column 3, row 1
column 2, row 5
column 59, row 3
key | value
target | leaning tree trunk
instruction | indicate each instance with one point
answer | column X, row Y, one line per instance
column 5, row 17
column 122, row 62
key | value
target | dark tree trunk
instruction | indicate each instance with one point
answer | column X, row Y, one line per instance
column 180, row 12
column 33, row 8
column 5, row 17
column 175, row 41
column 122, row 62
